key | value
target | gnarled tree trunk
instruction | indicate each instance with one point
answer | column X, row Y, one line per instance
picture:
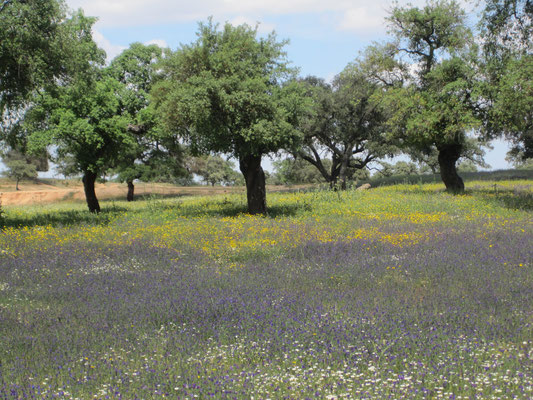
column 89, row 178
column 131, row 189
column 343, row 172
column 254, row 177
column 448, row 156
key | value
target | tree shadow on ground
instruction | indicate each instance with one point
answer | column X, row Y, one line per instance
column 232, row 209
column 153, row 206
column 58, row 218
column 519, row 197
column 516, row 199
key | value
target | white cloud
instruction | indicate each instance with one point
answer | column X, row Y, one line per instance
column 357, row 16
column 134, row 12
column 140, row 12
column 366, row 17
column 329, row 77
column 261, row 26
column 111, row 50
column 137, row 12
column 159, row 42
column 363, row 20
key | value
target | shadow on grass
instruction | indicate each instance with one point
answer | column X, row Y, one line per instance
column 512, row 199
column 231, row 209
column 150, row 209
column 61, row 218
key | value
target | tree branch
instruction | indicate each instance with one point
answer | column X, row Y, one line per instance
column 317, row 162
column 417, row 52
column 4, row 4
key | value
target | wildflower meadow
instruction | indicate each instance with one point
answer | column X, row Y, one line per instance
column 398, row 292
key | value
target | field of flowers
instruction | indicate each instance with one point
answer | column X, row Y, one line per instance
column 396, row 292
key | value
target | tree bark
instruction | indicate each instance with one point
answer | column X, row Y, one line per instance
column 334, row 176
column 317, row 162
column 89, row 178
column 254, row 177
column 343, row 172
column 131, row 189
column 448, row 156
column 17, row 185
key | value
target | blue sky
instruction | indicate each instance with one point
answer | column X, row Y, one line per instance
column 324, row 35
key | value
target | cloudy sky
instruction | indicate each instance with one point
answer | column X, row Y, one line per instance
column 324, row 35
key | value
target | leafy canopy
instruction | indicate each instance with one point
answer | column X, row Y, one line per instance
column 153, row 153
column 18, row 166
column 83, row 116
column 228, row 92
column 40, row 46
column 436, row 105
column 507, row 27
column 31, row 41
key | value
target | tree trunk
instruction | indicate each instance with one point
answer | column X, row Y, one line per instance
column 17, row 184
column 131, row 189
column 254, row 177
column 343, row 172
column 89, row 178
column 317, row 162
column 334, row 177
column 448, row 156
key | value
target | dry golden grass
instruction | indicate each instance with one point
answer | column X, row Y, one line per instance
column 54, row 191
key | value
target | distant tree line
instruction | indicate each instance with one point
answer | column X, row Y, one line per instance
column 432, row 92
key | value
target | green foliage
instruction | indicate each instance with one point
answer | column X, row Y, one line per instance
column 227, row 92
column 216, row 170
column 346, row 122
column 19, row 167
column 137, row 66
column 153, row 153
column 66, row 166
column 514, row 86
column 506, row 26
column 31, row 44
column 520, row 163
column 430, row 32
column 40, row 48
column 467, row 166
column 81, row 116
column 439, row 101
column 231, row 92
column 405, row 168
column 215, row 173
column 292, row 171
column 439, row 113
column 84, row 122
column 79, row 72
column 427, row 158
column 400, row 168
